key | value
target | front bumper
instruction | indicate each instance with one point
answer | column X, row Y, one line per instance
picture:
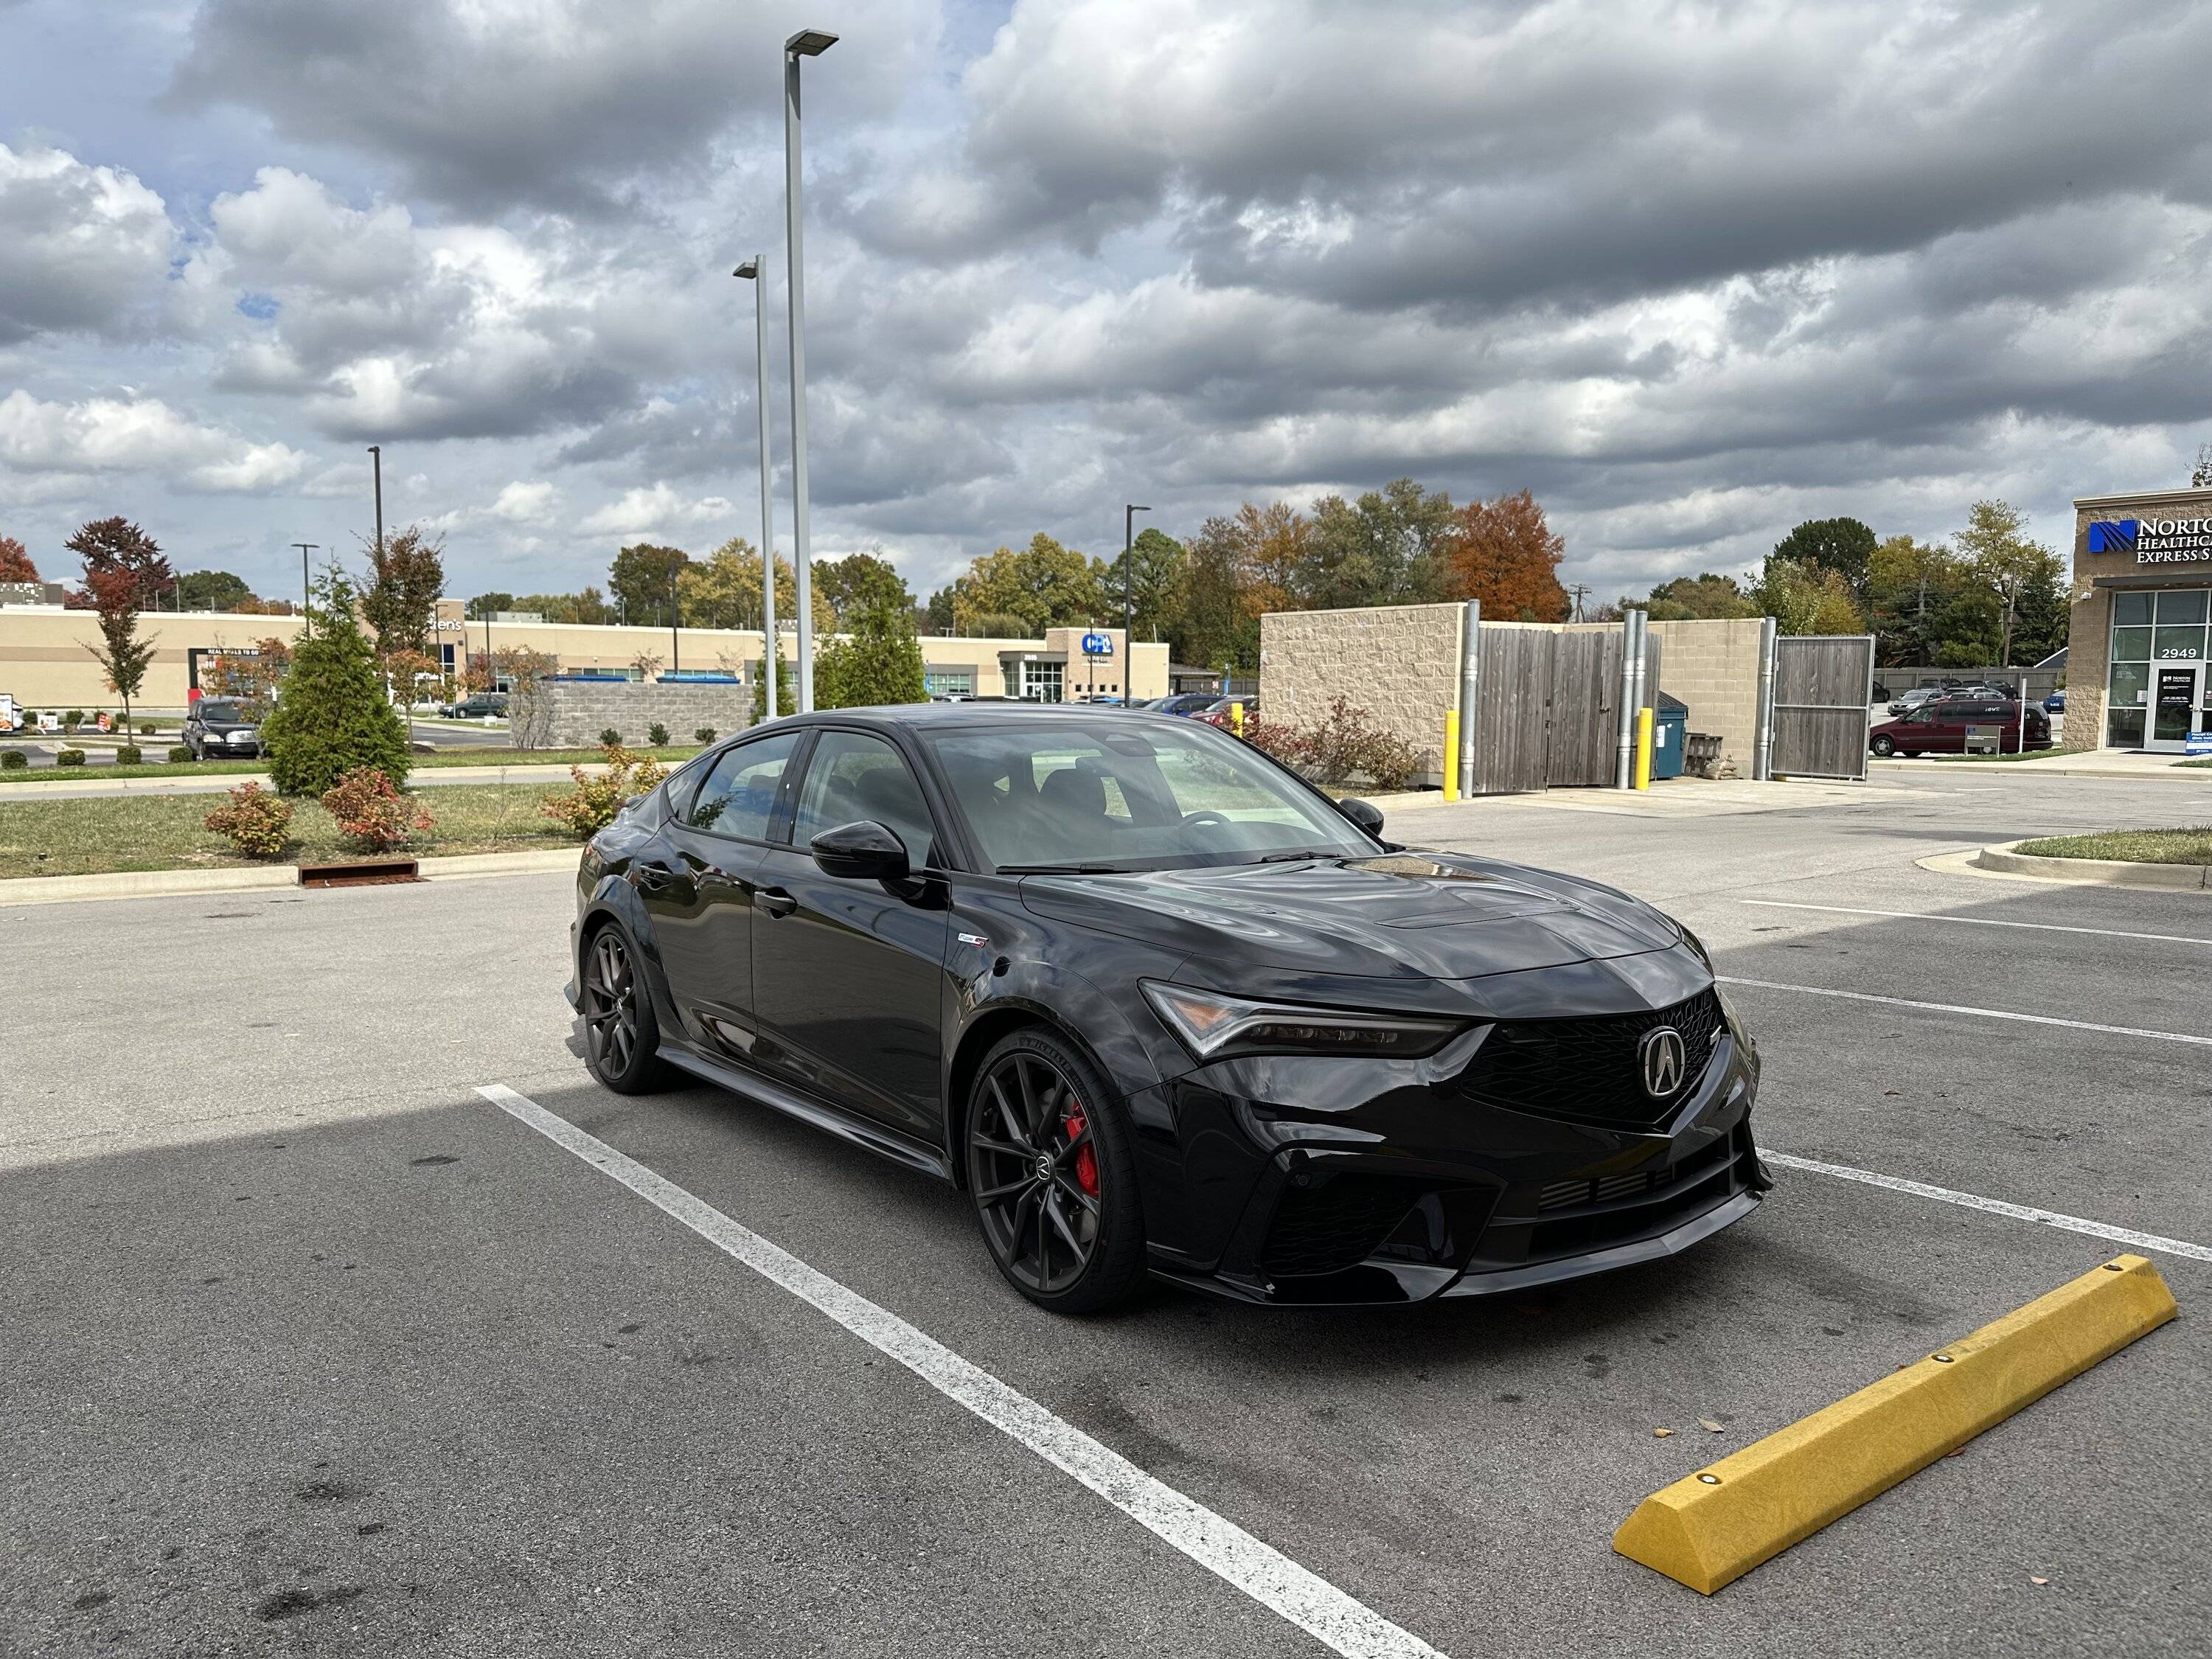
column 1384, row 1183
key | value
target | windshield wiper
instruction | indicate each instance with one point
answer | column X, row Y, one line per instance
column 1062, row 870
column 1293, row 858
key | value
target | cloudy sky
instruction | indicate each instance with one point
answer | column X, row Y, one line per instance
column 1692, row 273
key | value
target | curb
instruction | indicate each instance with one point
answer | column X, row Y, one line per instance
column 171, row 884
column 2035, row 769
column 1713, row 1527
column 2095, row 873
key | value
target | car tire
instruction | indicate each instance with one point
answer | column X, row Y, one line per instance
column 1885, row 747
column 1072, row 1242
column 621, row 1033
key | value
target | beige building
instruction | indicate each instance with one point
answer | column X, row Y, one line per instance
column 2136, row 660
column 46, row 661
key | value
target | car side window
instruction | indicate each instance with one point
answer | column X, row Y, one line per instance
column 856, row 778
column 738, row 794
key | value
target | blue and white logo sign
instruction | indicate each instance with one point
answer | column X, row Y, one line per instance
column 2113, row 535
column 1097, row 645
column 2197, row 742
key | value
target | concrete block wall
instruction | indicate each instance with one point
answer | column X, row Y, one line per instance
column 571, row 714
column 1400, row 662
column 1713, row 667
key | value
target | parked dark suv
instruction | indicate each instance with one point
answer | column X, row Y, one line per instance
column 491, row 703
column 217, row 727
column 1939, row 725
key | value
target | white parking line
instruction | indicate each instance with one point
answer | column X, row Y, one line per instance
column 1958, row 1008
column 1269, row 1577
column 2072, row 1224
column 1975, row 921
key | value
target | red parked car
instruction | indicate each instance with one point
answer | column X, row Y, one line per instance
column 1939, row 727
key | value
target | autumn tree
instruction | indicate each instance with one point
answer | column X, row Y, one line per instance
column 251, row 681
column 1042, row 586
column 1805, row 598
column 1503, row 554
column 2200, row 476
column 406, row 575
column 1842, row 545
column 121, row 654
column 856, row 582
column 643, row 579
column 15, row 564
column 118, row 544
column 723, row 590
column 2000, row 557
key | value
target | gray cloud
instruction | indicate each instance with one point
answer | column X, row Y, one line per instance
column 82, row 248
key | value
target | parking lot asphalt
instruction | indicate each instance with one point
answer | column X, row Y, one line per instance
column 315, row 1350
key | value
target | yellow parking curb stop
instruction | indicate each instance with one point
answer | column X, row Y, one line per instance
column 1711, row 1528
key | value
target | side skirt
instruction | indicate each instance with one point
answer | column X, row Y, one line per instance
column 883, row 1143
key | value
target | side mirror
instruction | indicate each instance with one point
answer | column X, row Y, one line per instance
column 860, row 852
column 1365, row 814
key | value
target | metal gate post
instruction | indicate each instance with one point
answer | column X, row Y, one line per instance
column 1470, row 686
column 1762, row 752
column 1624, row 763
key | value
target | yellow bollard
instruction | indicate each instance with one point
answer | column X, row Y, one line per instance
column 1451, row 754
column 1642, row 749
column 1237, row 718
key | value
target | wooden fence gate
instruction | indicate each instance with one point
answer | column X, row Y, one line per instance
column 1548, row 707
column 1822, row 685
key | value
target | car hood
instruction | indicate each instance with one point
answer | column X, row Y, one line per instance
column 1402, row 915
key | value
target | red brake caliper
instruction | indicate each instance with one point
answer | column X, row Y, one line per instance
column 1086, row 1158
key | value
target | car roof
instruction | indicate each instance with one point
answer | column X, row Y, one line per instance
column 975, row 711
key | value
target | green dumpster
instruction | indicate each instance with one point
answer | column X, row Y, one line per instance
column 1670, row 724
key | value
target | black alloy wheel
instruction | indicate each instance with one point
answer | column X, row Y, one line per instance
column 621, row 1036
column 1052, row 1176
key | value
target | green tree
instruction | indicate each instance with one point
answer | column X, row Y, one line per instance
column 1842, row 545
column 406, row 575
column 1998, row 555
column 1152, row 570
column 485, row 606
column 723, row 590
column 856, row 582
column 1216, row 624
column 786, row 689
column 331, row 713
column 1804, row 597
column 213, row 590
column 643, row 581
column 876, row 659
column 1392, row 546
column 118, row 544
column 939, row 609
column 1911, row 586
column 1701, row 597
column 122, row 655
column 1044, row 584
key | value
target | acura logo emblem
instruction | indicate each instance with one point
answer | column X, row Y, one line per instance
column 1664, row 1060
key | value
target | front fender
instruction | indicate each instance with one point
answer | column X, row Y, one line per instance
column 615, row 897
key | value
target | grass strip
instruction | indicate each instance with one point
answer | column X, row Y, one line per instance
column 671, row 756
column 2133, row 845
column 104, row 834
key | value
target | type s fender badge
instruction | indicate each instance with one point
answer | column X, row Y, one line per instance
column 981, row 941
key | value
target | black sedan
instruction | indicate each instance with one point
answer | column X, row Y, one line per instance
column 216, row 728
column 1156, row 1006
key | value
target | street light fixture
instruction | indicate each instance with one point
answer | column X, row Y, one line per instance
column 807, row 43
column 751, row 271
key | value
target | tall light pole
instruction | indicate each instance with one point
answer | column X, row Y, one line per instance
column 807, row 43
column 307, row 599
column 751, row 271
column 376, row 457
column 1128, row 578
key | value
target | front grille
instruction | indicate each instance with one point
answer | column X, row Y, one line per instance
column 1587, row 1069
column 1620, row 1188
column 1336, row 1226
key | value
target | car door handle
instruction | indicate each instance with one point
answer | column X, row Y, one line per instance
column 655, row 878
column 775, row 901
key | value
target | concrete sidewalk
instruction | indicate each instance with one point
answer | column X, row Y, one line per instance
column 2067, row 762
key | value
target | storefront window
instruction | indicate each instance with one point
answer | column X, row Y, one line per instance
column 2132, row 645
column 2186, row 607
column 2129, row 608
column 949, row 681
column 2178, row 644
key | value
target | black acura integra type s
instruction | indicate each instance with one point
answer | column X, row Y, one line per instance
column 1158, row 1007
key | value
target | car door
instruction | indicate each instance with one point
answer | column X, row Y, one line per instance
column 700, row 887
column 848, row 976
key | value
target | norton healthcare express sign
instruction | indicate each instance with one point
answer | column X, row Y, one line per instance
column 2154, row 540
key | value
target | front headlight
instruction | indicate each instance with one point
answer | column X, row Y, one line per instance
column 1696, row 944
column 1213, row 1026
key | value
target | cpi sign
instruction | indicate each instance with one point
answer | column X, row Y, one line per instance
column 1097, row 645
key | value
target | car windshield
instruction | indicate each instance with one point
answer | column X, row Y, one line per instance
column 1131, row 794
column 223, row 713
